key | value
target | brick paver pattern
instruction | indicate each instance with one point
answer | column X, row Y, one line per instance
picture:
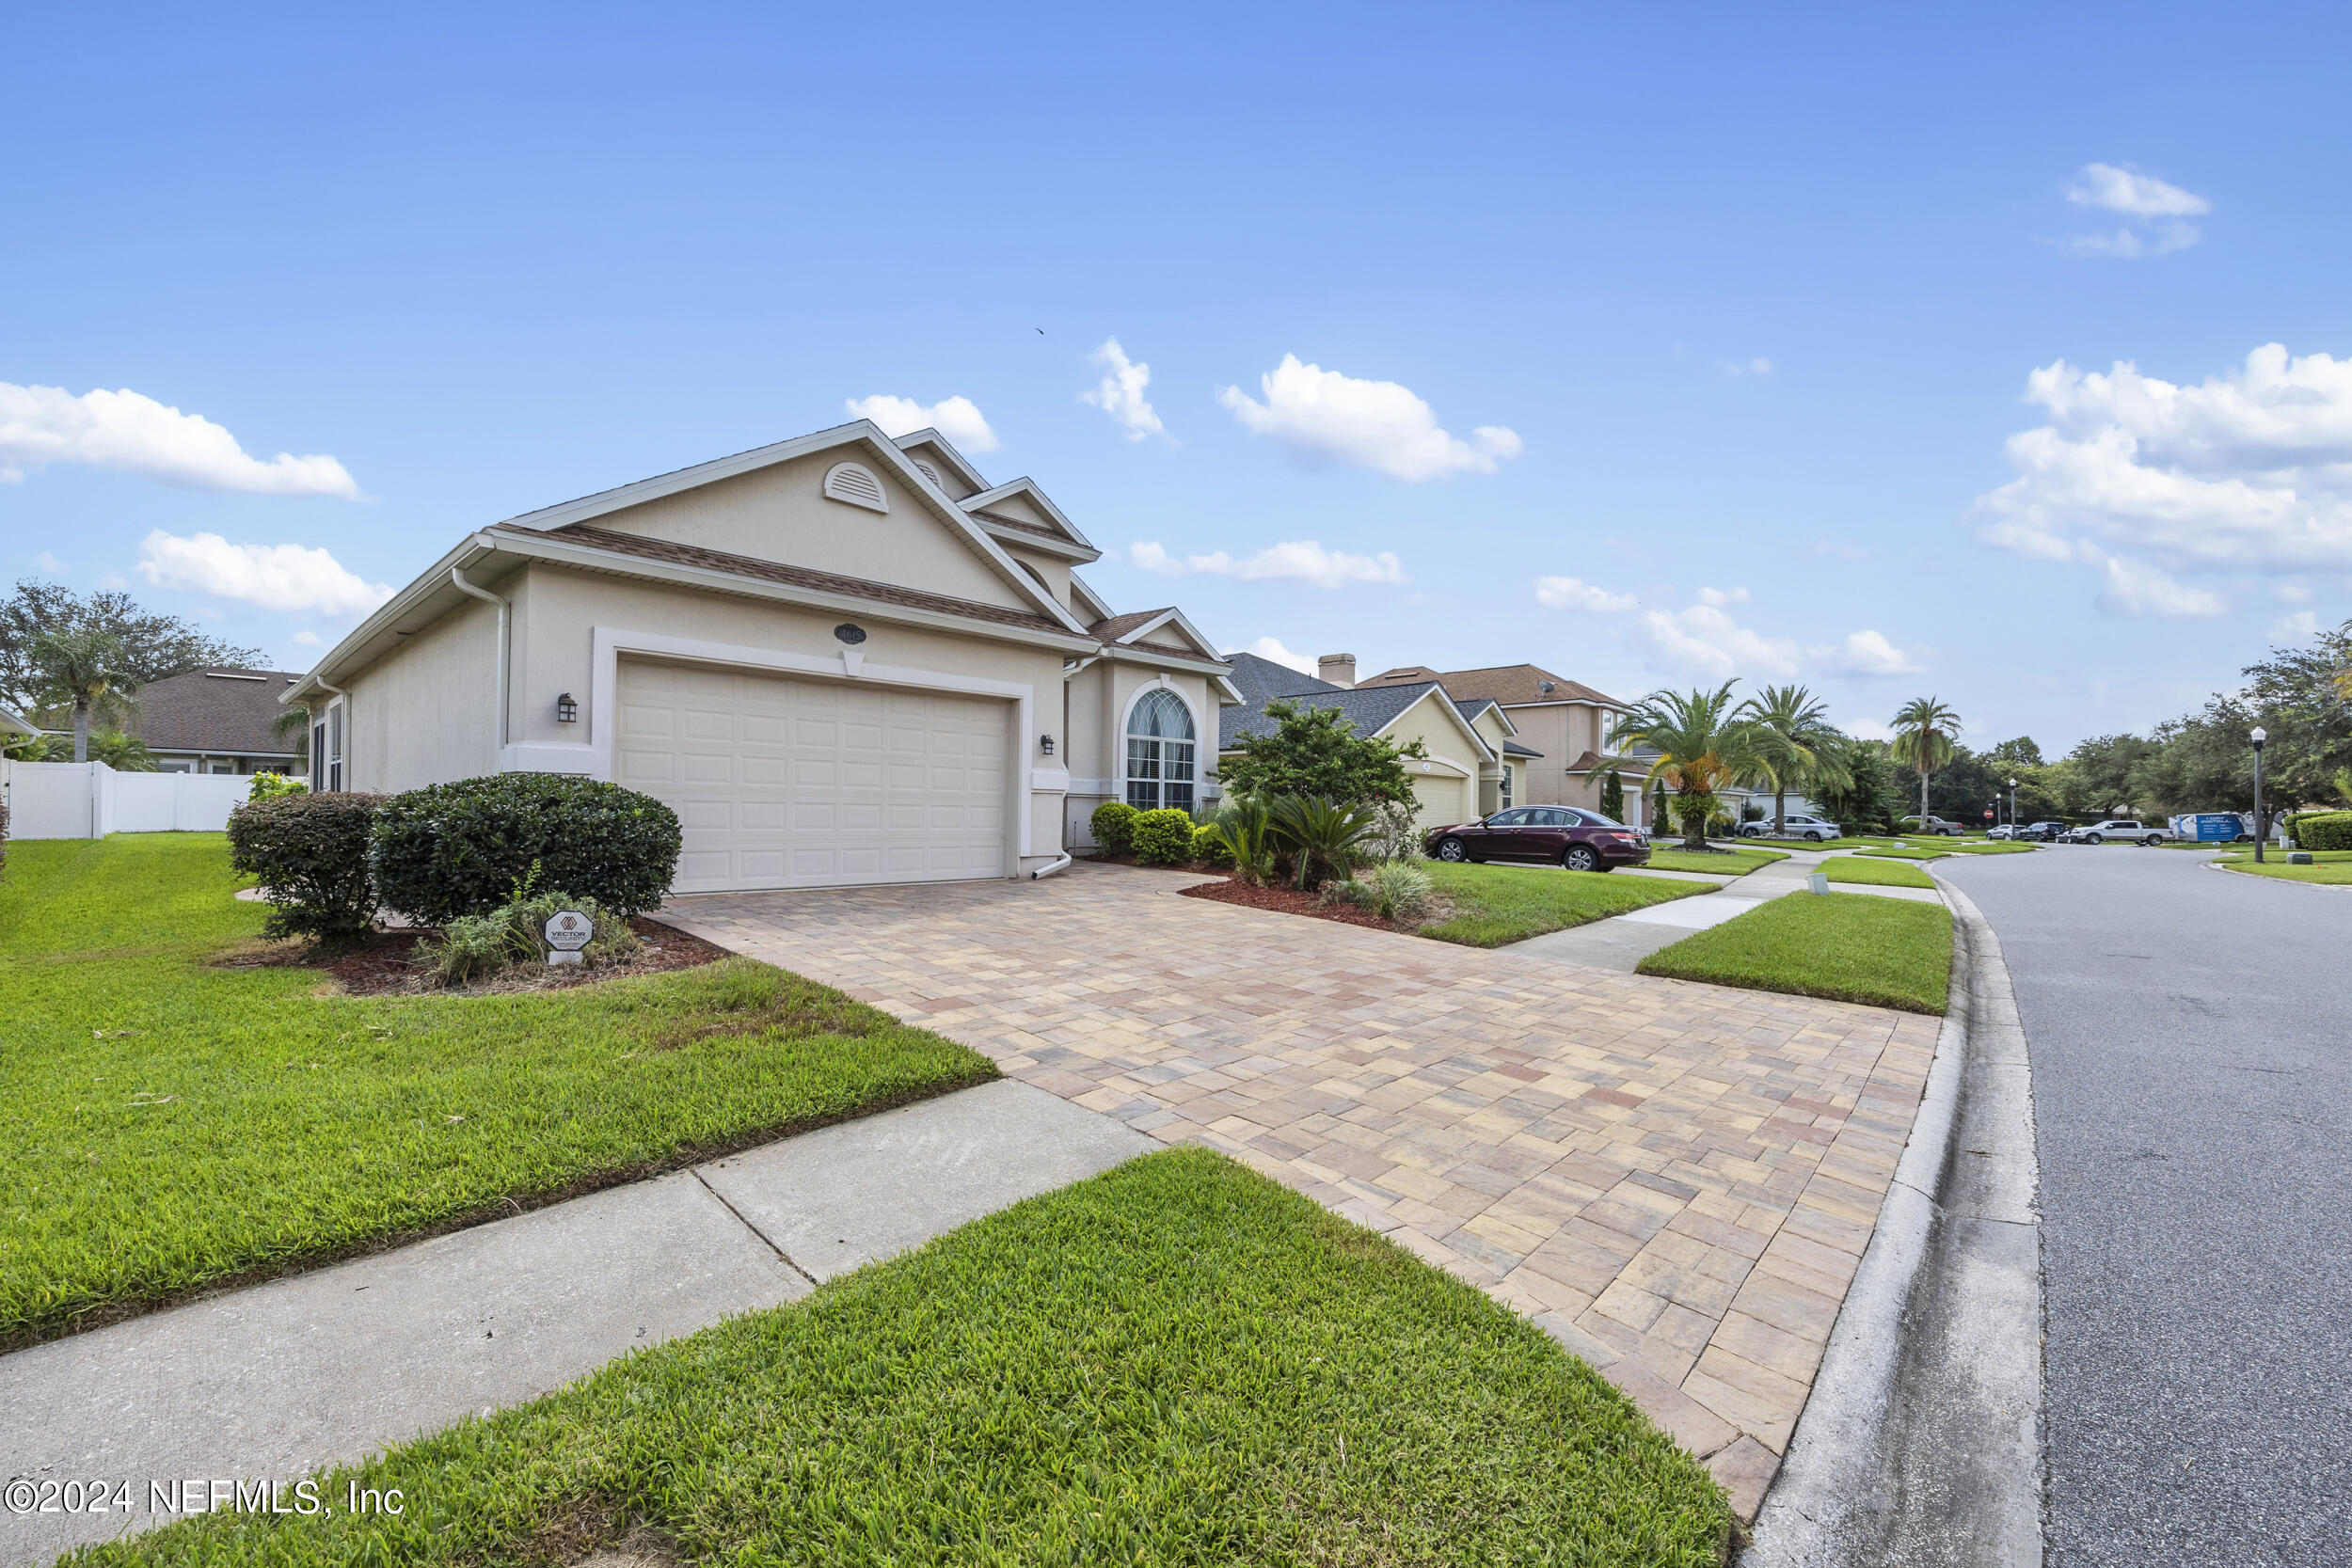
column 1675, row 1180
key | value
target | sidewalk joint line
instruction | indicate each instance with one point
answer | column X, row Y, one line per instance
column 697, row 1172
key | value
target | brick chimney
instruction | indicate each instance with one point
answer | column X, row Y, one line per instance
column 1338, row 669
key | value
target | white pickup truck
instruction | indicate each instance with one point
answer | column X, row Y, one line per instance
column 2125, row 828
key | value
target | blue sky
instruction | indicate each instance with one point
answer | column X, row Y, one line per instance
column 1744, row 302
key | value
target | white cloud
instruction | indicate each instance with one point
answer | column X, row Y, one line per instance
column 2137, row 588
column 1719, row 598
column 1868, row 729
column 1577, row 594
column 307, row 639
column 1120, row 394
column 1869, row 653
column 2156, row 213
column 48, row 566
column 275, row 577
column 2292, row 593
column 2302, row 624
column 1703, row 640
column 2248, row 470
column 957, row 419
column 1759, row 366
column 124, row 431
column 1296, row 560
column 1833, row 550
column 1271, row 648
column 1374, row 424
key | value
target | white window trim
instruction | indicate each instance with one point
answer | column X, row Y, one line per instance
column 1202, row 752
column 594, row 758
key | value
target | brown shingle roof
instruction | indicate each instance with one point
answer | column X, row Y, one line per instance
column 796, row 576
column 1119, row 625
column 1507, row 684
column 223, row 709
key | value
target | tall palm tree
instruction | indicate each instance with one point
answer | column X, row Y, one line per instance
column 1802, row 722
column 1924, row 733
column 89, row 670
column 1703, row 746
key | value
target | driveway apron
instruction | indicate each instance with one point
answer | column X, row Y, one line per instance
column 1675, row 1180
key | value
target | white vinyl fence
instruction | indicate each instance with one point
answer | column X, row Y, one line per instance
column 89, row 799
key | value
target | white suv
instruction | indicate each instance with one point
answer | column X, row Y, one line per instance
column 2116, row 826
column 1811, row 827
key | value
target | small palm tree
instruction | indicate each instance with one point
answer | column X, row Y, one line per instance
column 1246, row 829
column 1327, row 837
column 1802, row 722
column 1703, row 746
column 1924, row 733
column 86, row 670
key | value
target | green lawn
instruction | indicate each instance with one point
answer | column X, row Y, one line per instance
column 2329, row 866
column 1176, row 1361
column 1875, row 871
column 169, row 1124
column 1723, row 862
column 1900, row 851
column 1499, row 904
column 1992, row 846
column 1850, row 946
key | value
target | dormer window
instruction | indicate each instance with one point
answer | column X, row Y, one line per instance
column 855, row 483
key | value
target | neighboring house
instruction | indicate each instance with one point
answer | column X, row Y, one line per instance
column 1475, row 764
column 217, row 720
column 1565, row 721
column 841, row 659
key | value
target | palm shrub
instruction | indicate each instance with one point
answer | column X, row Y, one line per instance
column 1114, row 826
column 1245, row 828
column 1800, row 721
column 1704, row 745
column 1925, row 730
column 1327, row 838
column 453, row 850
column 1162, row 837
column 309, row 853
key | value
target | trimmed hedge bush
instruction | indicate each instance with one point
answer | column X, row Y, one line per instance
column 310, row 852
column 1163, row 837
column 1210, row 848
column 1114, row 826
column 449, row 850
column 2325, row 830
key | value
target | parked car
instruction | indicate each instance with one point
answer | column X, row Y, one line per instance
column 2001, row 829
column 2115, row 827
column 2040, row 832
column 1565, row 835
column 1812, row 829
column 1933, row 824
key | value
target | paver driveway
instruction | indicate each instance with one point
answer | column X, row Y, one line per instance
column 1676, row 1181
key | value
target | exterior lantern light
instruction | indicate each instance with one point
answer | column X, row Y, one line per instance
column 1045, row 744
column 2261, row 827
column 567, row 711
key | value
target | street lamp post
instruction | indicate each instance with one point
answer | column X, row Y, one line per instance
column 2012, row 805
column 2261, row 827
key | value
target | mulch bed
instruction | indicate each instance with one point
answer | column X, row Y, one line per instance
column 389, row 961
column 1285, row 900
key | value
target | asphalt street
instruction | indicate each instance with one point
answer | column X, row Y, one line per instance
column 2189, row 1031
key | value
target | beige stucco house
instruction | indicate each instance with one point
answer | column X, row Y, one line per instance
column 1565, row 721
column 1476, row 764
column 841, row 659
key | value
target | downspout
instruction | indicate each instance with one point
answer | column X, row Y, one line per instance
column 457, row 580
column 1060, row 861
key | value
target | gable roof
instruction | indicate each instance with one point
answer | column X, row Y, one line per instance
column 1513, row 748
column 1509, row 685
column 916, row 440
column 1371, row 710
column 224, row 708
column 1259, row 680
column 1026, row 489
column 863, row 434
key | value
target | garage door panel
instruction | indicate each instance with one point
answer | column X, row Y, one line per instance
column 780, row 781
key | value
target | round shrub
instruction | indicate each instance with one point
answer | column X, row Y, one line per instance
column 309, row 853
column 1114, row 826
column 453, row 850
column 2325, row 830
column 1163, row 837
column 1210, row 848
column 268, row 787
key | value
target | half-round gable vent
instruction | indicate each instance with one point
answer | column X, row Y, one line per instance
column 855, row 483
column 927, row 470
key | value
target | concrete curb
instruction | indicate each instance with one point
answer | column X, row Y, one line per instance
column 1921, row 1442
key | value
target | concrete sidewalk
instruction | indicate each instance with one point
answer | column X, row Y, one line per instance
column 326, row 1368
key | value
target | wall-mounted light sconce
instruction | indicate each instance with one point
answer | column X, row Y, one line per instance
column 567, row 711
column 1045, row 744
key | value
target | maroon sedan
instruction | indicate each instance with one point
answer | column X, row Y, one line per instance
column 1565, row 835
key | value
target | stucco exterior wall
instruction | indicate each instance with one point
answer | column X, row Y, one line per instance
column 781, row 512
column 1449, row 793
column 427, row 712
column 1100, row 698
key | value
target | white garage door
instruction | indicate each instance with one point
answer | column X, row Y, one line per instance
column 783, row 782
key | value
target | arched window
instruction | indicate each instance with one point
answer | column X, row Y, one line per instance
column 1160, row 744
